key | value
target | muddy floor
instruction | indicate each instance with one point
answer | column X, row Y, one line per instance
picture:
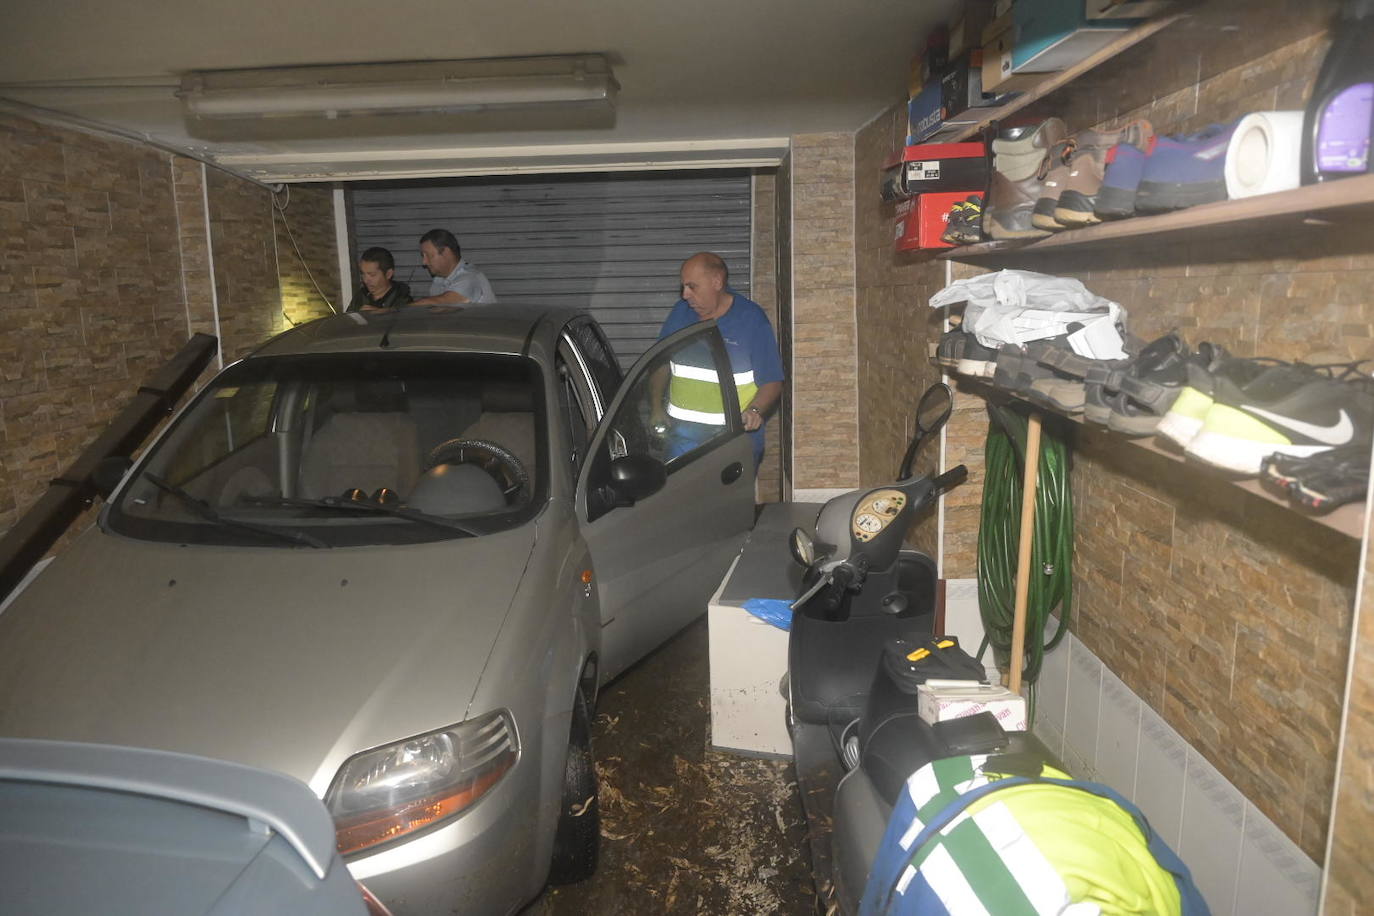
column 685, row 829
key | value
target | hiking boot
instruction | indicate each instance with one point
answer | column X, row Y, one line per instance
column 1018, row 177
column 1082, row 183
column 1057, row 166
column 1293, row 409
column 1185, row 171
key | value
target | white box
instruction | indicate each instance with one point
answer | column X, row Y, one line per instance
column 939, row 703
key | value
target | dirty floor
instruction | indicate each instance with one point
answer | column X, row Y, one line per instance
column 685, row 829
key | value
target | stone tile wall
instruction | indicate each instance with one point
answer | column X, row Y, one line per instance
column 90, row 292
column 309, row 269
column 104, row 273
column 1228, row 615
column 824, row 408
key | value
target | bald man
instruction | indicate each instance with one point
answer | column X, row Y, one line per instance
column 750, row 343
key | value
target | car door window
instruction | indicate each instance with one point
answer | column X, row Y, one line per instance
column 676, row 409
column 572, row 410
column 601, row 361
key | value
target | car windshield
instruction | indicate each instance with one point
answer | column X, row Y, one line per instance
column 346, row 450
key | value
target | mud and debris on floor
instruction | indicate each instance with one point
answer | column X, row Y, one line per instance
column 685, row 829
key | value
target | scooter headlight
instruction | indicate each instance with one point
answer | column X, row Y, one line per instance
column 391, row 791
column 803, row 548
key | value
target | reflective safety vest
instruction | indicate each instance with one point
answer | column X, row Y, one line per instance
column 966, row 839
column 694, row 393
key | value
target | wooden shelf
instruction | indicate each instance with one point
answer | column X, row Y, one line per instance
column 1279, row 214
column 1348, row 520
column 1054, row 81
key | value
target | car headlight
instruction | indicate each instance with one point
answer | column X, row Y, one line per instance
column 389, row 792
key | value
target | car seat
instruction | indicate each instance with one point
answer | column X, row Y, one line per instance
column 508, row 420
column 359, row 447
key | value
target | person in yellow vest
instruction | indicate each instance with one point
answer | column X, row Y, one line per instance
column 693, row 410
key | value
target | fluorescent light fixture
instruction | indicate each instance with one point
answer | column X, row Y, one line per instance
column 420, row 87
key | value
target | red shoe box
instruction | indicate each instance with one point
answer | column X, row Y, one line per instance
column 922, row 220
column 927, row 168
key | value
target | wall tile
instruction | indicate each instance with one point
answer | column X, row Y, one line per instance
column 1118, row 734
column 1213, row 818
column 1160, row 775
column 1275, row 875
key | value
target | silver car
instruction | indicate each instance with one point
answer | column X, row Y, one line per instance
column 394, row 555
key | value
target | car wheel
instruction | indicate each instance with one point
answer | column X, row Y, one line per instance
column 579, row 819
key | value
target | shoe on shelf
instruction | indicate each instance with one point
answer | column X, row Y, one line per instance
column 1185, row 171
column 1343, row 477
column 1296, row 410
column 1140, row 393
column 977, row 359
column 953, row 219
column 969, row 230
column 1057, row 165
column 1083, row 183
column 949, row 349
column 1184, row 419
column 1019, row 156
column 1123, row 168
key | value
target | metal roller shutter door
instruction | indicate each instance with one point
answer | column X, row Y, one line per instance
column 611, row 244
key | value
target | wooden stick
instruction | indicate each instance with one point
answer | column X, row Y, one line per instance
column 1023, row 561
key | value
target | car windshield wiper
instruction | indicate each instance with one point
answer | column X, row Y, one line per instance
column 340, row 503
column 206, row 511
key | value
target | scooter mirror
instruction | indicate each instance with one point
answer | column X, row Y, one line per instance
column 931, row 413
column 803, row 548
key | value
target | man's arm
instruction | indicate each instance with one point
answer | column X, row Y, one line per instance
column 448, row 297
column 756, row 411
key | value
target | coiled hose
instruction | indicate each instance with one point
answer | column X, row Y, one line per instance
column 999, row 532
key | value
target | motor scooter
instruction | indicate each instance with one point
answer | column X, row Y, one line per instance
column 866, row 602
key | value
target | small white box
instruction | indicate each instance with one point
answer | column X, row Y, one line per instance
column 939, row 703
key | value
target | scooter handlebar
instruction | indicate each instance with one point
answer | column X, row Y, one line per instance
column 949, row 479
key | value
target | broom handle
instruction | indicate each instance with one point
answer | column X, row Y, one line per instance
column 1023, row 562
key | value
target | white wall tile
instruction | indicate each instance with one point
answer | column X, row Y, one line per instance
column 1050, row 736
column 1276, row 877
column 1085, row 694
column 1052, row 688
column 1159, row 776
column 1213, row 820
column 1118, row 735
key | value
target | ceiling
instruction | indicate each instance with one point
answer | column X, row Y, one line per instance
column 704, row 83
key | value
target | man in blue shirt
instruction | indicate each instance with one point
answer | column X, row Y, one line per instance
column 455, row 280
column 754, row 360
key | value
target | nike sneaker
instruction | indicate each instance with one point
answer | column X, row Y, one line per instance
column 1296, row 410
column 1185, row 416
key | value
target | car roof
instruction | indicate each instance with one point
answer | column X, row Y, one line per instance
column 496, row 328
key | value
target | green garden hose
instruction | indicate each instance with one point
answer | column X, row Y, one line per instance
column 999, row 532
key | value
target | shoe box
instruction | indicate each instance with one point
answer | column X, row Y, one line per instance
column 1043, row 36
column 922, row 220
column 935, row 167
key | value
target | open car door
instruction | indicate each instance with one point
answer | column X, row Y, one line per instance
column 664, row 503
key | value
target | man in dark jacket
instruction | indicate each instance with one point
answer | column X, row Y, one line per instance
column 378, row 290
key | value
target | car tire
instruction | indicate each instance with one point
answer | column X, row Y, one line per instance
column 579, row 818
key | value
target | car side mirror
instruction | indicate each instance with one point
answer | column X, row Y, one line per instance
column 109, row 472
column 636, row 477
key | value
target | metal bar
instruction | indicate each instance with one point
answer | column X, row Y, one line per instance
column 72, row 492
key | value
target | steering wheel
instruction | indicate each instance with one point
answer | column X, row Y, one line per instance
column 496, row 460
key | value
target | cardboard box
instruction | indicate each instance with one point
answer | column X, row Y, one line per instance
column 941, row 703
column 1051, row 35
column 997, row 74
column 925, row 114
column 921, row 220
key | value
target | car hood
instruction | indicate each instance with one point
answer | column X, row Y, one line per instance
column 287, row 659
